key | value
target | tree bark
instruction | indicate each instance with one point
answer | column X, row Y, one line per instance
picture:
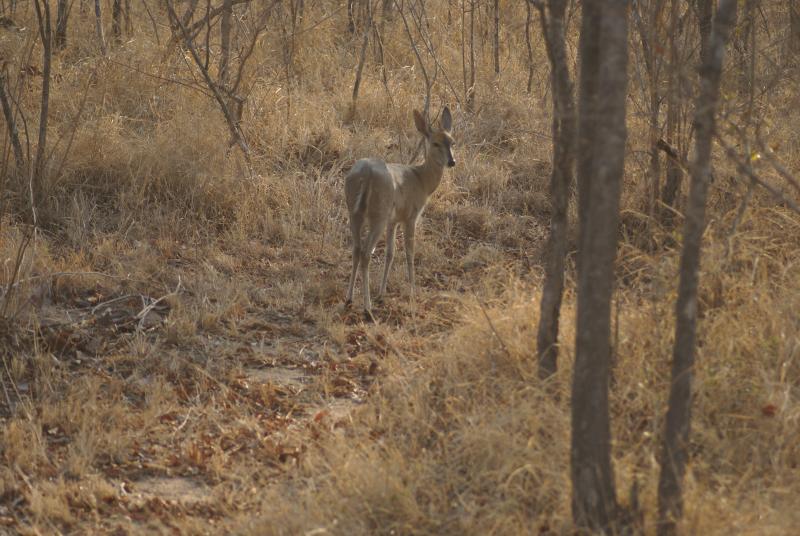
column 602, row 134
column 675, row 453
column 588, row 51
column 564, row 125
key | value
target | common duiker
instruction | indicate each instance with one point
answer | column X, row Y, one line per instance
column 386, row 195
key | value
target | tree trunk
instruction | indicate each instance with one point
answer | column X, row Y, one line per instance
column 62, row 14
column 672, row 184
column 361, row 61
column 471, row 92
column 464, row 49
column 351, row 23
column 588, row 52
column 116, row 20
column 602, row 134
column 45, row 32
column 11, row 125
column 98, row 19
column 651, row 33
column 745, row 45
column 128, row 22
column 496, row 37
column 705, row 11
column 675, row 452
column 561, row 179
column 794, row 28
column 528, row 20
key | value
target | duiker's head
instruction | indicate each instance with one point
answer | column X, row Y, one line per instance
column 438, row 142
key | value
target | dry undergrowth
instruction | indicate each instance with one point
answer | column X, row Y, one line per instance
column 177, row 357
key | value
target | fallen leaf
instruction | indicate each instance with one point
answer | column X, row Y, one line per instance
column 769, row 410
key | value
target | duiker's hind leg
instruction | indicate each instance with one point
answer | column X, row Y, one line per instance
column 366, row 252
column 356, row 222
column 391, row 232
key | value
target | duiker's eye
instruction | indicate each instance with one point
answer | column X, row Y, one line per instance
column 436, row 144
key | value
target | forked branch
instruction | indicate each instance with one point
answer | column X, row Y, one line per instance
column 237, row 137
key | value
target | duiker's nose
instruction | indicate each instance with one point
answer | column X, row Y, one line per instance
column 451, row 163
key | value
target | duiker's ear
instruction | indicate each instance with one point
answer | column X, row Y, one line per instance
column 422, row 126
column 446, row 122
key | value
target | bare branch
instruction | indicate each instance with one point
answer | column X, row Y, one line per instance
column 236, row 133
column 747, row 171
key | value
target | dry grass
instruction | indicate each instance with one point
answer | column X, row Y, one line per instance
column 177, row 359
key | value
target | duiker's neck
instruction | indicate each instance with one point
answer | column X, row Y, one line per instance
column 429, row 173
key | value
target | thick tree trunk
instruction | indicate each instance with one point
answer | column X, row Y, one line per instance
column 602, row 133
column 675, row 452
column 564, row 126
column 588, row 51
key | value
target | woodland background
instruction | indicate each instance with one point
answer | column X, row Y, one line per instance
column 176, row 353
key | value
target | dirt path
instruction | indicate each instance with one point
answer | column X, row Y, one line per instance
column 169, row 391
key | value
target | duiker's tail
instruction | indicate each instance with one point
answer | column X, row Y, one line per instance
column 362, row 198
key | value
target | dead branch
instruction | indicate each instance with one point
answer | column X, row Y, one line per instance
column 745, row 170
column 11, row 125
column 428, row 83
column 769, row 154
column 236, row 134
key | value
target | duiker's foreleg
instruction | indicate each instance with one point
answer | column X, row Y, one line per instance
column 408, row 237
column 356, row 222
column 391, row 232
